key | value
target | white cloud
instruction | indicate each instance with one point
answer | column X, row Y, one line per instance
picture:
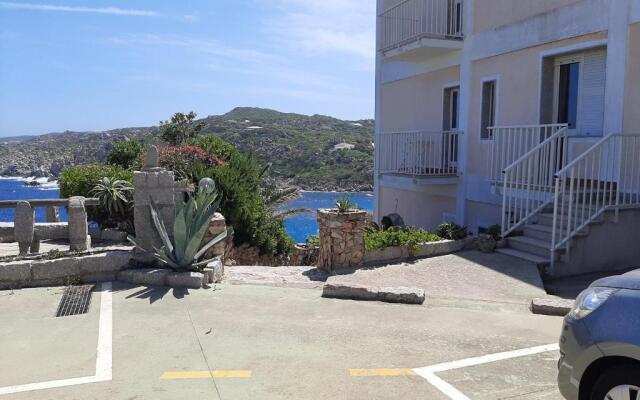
column 328, row 26
column 91, row 10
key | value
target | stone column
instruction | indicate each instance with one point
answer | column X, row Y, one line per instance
column 79, row 239
column 53, row 214
column 341, row 239
column 152, row 184
column 217, row 225
column 23, row 226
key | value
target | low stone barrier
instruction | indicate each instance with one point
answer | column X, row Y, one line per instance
column 390, row 255
column 212, row 273
column 63, row 271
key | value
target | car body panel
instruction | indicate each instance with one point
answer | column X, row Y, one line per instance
column 611, row 330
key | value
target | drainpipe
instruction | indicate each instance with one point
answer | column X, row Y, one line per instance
column 377, row 122
column 465, row 109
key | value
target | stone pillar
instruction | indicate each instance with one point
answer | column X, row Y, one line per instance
column 341, row 239
column 217, row 225
column 152, row 184
column 24, row 226
column 53, row 214
column 79, row 239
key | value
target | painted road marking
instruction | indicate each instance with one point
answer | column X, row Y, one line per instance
column 104, row 358
column 429, row 373
column 205, row 374
column 382, row 372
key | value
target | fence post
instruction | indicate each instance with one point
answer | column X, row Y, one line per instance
column 24, row 226
column 79, row 239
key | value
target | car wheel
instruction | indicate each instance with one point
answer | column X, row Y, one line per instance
column 619, row 383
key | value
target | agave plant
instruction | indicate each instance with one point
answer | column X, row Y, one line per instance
column 191, row 223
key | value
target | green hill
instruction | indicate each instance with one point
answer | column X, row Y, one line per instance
column 301, row 148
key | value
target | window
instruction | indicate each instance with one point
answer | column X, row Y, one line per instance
column 488, row 108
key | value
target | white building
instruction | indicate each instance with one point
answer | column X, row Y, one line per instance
column 513, row 112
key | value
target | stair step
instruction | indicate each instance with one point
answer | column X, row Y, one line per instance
column 541, row 248
column 546, row 219
column 540, row 261
column 536, row 231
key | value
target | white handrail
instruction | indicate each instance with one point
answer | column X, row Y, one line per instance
column 605, row 177
column 411, row 20
column 419, row 153
column 510, row 143
column 528, row 182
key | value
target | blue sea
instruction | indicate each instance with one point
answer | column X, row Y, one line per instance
column 299, row 226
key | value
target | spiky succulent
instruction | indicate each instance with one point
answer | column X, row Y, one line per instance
column 191, row 223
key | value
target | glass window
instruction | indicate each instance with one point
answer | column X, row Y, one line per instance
column 568, row 95
column 488, row 108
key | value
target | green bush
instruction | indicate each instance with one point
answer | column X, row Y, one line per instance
column 126, row 154
column 244, row 205
column 80, row 181
column 452, row 231
column 392, row 237
column 215, row 145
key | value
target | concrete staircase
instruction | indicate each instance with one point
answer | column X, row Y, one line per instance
column 533, row 241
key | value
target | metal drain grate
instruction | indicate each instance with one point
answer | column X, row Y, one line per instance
column 75, row 300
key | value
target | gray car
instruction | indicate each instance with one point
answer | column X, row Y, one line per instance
column 600, row 342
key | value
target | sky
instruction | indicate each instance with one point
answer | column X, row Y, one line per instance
column 104, row 64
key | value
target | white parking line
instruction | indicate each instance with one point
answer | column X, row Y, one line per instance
column 103, row 358
column 429, row 373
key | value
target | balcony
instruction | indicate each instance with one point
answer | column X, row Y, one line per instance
column 421, row 28
column 422, row 156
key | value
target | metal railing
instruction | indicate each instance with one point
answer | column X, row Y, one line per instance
column 411, row 20
column 605, row 177
column 528, row 185
column 419, row 153
column 509, row 143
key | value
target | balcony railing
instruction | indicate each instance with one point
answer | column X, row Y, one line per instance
column 412, row 20
column 419, row 153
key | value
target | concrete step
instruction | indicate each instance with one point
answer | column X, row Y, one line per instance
column 540, row 248
column 537, row 231
column 539, row 261
column 546, row 219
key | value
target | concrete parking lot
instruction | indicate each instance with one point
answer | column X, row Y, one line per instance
column 250, row 342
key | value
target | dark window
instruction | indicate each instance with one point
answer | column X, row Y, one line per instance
column 568, row 94
column 488, row 108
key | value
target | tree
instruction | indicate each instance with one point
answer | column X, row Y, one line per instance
column 181, row 129
column 126, row 153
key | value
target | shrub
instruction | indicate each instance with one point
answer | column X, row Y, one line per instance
column 452, row 231
column 215, row 145
column 410, row 237
column 116, row 196
column 495, row 231
column 244, row 205
column 126, row 154
column 80, row 181
column 183, row 160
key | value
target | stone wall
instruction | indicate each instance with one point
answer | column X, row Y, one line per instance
column 341, row 239
column 217, row 225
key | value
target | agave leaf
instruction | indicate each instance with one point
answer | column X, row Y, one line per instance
column 160, row 228
column 204, row 262
column 211, row 243
column 208, row 212
column 161, row 255
column 194, row 244
column 133, row 241
column 179, row 234
column 188, row 213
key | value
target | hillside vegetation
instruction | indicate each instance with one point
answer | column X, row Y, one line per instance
column 300, row 148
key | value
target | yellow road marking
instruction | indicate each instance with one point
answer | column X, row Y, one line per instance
column 382, row 372
column 205, row 374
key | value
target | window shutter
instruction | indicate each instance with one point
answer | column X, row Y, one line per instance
column 592, row 96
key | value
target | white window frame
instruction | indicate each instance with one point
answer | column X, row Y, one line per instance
column 557, row 63
column 484, row 80
column 448, row 86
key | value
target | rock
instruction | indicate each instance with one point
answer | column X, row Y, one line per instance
column 354, row 292
column 486, row 243
column 190, row 280
column 19, row 271
column 112, row 261
column 152, row 160
column 551, row 306
column 57, row 269
column 144, row 276
column 214, row 271
column 405, row 295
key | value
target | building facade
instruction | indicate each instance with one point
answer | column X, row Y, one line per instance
column 519, row 113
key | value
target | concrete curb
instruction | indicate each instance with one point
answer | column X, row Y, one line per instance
column 404, row 295
column 551, row 306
